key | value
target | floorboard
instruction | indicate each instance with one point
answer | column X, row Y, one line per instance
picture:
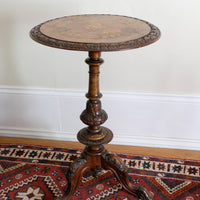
column 148, row 151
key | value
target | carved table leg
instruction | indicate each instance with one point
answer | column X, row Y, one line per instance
column 117, row 166
column 90, row 159
column 74, row 175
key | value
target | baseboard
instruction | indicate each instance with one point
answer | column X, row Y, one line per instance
column 138, row 119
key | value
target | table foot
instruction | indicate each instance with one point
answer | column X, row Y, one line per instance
column 120, row 170
column 74, row 176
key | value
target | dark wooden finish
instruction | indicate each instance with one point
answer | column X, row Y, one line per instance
column 96, row 33
column 95, row 157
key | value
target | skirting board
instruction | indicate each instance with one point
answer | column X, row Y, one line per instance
column 138, row 119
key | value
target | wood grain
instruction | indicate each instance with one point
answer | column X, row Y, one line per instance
column 95, row 28
column 95, row 33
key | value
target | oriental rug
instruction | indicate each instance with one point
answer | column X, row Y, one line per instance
column 39, row 173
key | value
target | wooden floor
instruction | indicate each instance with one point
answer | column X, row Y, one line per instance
column 160, row 152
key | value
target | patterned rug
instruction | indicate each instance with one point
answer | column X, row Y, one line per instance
column 38, row 173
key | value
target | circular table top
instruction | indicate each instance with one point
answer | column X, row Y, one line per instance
column 95, row 33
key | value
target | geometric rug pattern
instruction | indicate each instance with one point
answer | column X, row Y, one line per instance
column 30, row 172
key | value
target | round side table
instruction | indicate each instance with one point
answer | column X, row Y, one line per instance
column 95, row 34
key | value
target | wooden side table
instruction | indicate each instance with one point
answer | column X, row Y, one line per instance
column 96, row 33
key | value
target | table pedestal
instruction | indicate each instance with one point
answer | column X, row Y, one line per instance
column 96, row 34
column 95, row 157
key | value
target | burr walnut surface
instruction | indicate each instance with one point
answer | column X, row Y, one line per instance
column 95, row 33
column 95, row 29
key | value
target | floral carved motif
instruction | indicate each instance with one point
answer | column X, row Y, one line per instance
column 114, row 160
column 93, row 115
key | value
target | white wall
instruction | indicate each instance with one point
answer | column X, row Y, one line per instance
column 137, row 119
column 172, row 65
column 169, row 66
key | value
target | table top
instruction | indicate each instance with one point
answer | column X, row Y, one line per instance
column 95, row 33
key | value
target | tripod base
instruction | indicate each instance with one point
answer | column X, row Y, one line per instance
column 104, row 160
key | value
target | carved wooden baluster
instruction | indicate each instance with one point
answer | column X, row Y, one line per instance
column 93, row 136
column 93, row 115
